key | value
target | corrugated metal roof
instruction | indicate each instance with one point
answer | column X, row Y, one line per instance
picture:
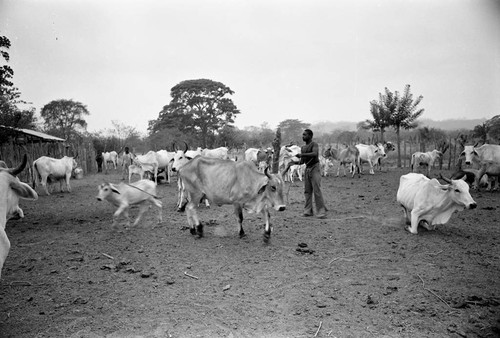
column 38, row 134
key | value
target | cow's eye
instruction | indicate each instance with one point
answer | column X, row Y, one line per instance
column 273, row 188
column 456, row 190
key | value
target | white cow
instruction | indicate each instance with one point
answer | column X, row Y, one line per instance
column 486, row 152
column 48, row 168
column 148, row 162
column 370, row 153
column 11, row 190
column 137, row 170
column 258, row 155
column 426, row 202
column 165, row 160
column 348, row 156
column 295, row 170
column 110, row 158
column 490, row 170
column 325, row 164
column 220, row 152
column 287, row 154
column 181, row 158
column 419, row 159
column 125, row 195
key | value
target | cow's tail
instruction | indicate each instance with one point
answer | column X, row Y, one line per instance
column 36, row 175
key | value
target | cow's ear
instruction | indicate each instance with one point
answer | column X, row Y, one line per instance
column 263, row 187
column 189, row 158
column 23, row 190
column 113, row 189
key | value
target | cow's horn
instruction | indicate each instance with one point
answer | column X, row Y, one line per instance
column 173, row 146
column 187, row 148
column 20, row 167
column 266, row 171
column 447, row 180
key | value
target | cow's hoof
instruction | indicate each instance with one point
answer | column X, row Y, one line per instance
column 410, row 230
column 192, row 231
column 267, row 237
column 199, row 230
column 242, row 234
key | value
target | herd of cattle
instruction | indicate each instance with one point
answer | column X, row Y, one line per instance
column 210, row 175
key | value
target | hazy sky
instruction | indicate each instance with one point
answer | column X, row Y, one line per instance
column 309, row 60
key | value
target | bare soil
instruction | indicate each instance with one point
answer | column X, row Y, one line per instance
column 357, row 273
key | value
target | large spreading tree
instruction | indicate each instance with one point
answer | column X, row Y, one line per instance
column 62, row 118
column 198, row 108
column 291, row 130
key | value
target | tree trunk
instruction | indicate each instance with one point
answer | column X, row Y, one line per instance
column 276, row 155
column 399, row 148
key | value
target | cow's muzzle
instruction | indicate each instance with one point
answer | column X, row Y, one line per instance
column 472, row 206
column 280, row 208
column 98, row 198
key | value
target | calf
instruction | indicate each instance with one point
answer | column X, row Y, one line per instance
column 426, row 202
column 135, row 169
column 125, row 195
column 347, row 156
column 419, row 159
column 492, row 169
column 11, row 190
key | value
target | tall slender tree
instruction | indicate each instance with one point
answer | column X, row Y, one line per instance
column 380, row 121
column 405, row 114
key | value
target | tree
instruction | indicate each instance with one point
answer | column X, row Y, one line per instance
column 381, row 118
column 198, row 107
column 481, row 132
column 494, row 128
column 402, row 112
column 62, row 117
column 10, row 98
column 291, row 130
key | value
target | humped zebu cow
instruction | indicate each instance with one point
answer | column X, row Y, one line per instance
column 125, row 195
column 428, row 203
column 388, row 147
column 347, row 156
column 229, row 182
column 165, row 160
column 258, row 155
column 490, row 170
column 427, row 159
column 110, row 158
column 473, row 155
column 134, row 169
column 11, row 190
column 148, row 162
column 220, row 152
column 469, row 176
column 182, row 157
column 370, row 153
column 325, row 164
column 47, row 168
column 476, row 155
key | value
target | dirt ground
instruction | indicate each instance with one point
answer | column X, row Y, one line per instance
column 360, row 275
